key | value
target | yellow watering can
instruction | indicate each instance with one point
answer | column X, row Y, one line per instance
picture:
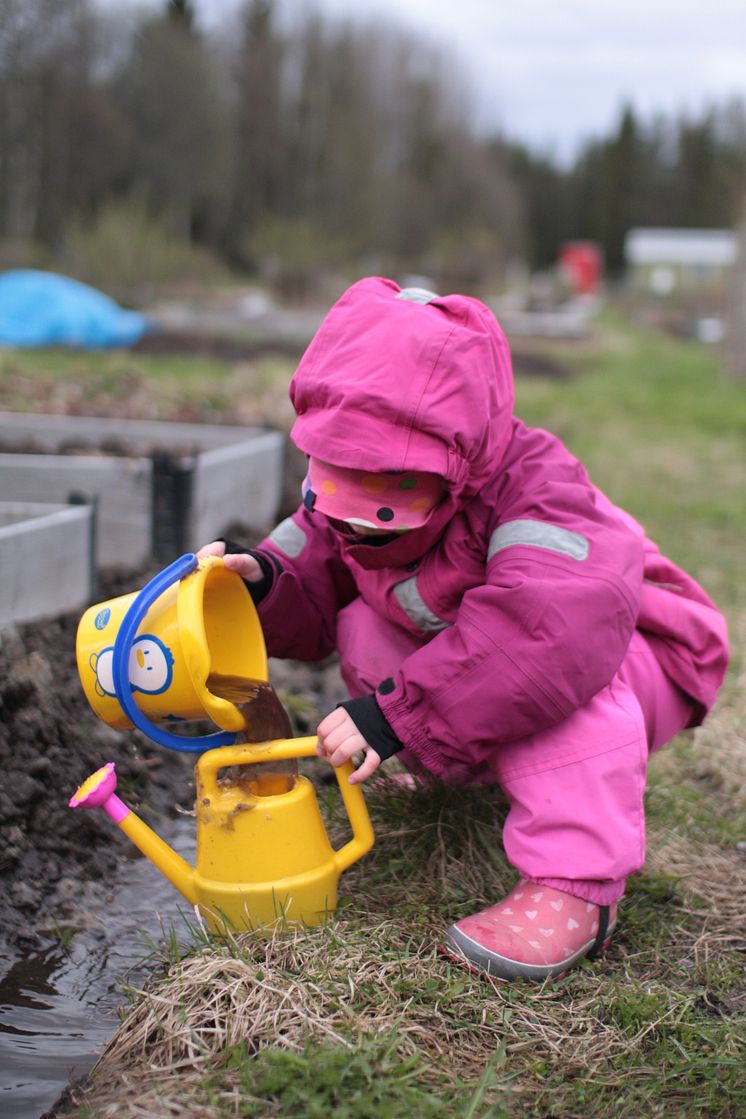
column 263, row 854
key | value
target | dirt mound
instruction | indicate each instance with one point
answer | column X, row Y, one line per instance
column 223, row 347
column 534, row 363
column 50, row 741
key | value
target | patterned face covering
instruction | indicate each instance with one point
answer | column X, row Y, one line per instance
column 394, row 501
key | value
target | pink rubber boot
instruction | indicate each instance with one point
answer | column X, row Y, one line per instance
column 534, row 932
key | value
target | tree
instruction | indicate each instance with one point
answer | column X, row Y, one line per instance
column 258, row 136
column 169, row 92
column 181, row 12
column 542, row 189
column 57, row 133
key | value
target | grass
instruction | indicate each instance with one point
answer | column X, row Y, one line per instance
column 364, row 1017
column 663, row 432
column 132, row 385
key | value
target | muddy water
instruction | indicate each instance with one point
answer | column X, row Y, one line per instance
column 259, row 704
column 266, row 719
column 58, row 1005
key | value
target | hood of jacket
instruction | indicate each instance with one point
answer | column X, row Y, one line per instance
column 392, row 383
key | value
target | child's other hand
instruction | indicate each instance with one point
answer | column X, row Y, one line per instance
column 339, row 739
column 244, row 565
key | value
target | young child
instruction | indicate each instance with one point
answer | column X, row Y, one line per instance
column 497, row 618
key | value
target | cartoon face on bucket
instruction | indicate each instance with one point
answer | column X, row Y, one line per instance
column 151, row 667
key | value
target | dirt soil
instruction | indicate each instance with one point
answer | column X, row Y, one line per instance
column 50, row 741
column 220, row 346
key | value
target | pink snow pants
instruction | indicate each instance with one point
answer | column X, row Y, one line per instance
column 575, row 791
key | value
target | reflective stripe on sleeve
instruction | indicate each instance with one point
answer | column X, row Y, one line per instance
column 410, row 600
column 288, row 537
column 538, row 534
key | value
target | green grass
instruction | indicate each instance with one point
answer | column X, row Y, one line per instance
column 323, row 1080
column 143, row 386
column 663, row 432
column 364, row 1017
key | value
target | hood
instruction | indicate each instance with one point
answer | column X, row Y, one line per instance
column 390, row 382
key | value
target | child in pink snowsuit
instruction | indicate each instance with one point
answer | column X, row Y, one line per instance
column 497, row 618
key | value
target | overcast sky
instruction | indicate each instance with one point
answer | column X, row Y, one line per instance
column 555, row 72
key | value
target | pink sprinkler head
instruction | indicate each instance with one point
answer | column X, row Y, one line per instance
column 98, row 791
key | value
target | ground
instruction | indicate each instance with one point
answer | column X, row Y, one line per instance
column 50, row 740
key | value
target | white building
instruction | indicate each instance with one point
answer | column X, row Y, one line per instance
column 669, row 261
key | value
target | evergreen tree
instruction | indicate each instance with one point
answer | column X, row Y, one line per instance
column 181, row 12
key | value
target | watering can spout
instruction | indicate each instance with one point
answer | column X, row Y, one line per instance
column 99, row 791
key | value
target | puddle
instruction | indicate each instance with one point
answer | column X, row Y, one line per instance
column 58, row 1007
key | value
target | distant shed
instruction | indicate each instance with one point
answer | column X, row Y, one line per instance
column 671, row 261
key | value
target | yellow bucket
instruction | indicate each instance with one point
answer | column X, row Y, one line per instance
column 158, row 654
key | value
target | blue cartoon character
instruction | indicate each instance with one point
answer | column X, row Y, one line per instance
column 150, row 667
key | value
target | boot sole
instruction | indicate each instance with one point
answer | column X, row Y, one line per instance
column 479, row 960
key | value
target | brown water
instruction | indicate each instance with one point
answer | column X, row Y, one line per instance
column 266, row 719
column 59, row 1000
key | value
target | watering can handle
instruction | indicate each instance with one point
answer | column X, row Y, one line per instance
column 283, row 749
column 152, row 591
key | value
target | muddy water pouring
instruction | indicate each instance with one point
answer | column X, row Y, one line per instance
column 189, row 646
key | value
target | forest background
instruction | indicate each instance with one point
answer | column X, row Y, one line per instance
column 136, row 148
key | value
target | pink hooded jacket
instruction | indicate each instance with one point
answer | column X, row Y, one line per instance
column 525, row 585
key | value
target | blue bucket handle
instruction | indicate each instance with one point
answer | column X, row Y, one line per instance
column 184, row 565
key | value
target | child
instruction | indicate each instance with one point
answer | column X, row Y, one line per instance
column 497, row 618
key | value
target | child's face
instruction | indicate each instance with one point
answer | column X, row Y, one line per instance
column 364, row 530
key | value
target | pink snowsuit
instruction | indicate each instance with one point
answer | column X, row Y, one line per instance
column 528, row 634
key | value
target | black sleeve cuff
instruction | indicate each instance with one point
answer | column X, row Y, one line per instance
column 373, row 725
column 269, row 564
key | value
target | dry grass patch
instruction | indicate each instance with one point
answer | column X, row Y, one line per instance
column 228, row 1030
column 712, row 883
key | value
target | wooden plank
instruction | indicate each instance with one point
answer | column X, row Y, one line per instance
column 237, row 476
column 120, row 487
column 46, row 564
column 241, row 483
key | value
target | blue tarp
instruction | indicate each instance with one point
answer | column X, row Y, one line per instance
column 45, row 309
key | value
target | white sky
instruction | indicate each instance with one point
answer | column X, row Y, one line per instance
column 555, row 72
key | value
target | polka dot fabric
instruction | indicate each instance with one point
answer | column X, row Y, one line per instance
column 393, row 501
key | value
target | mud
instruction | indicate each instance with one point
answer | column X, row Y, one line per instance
column 50, row 741
column 220, row 346
column 78, row 903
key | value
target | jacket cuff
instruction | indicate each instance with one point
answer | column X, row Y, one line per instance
column 269, row 564
column 373, row 725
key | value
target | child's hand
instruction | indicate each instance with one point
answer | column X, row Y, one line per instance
column 244, row 565
column 339, row 739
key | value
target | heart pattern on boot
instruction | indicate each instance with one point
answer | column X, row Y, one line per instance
column 496, row 930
